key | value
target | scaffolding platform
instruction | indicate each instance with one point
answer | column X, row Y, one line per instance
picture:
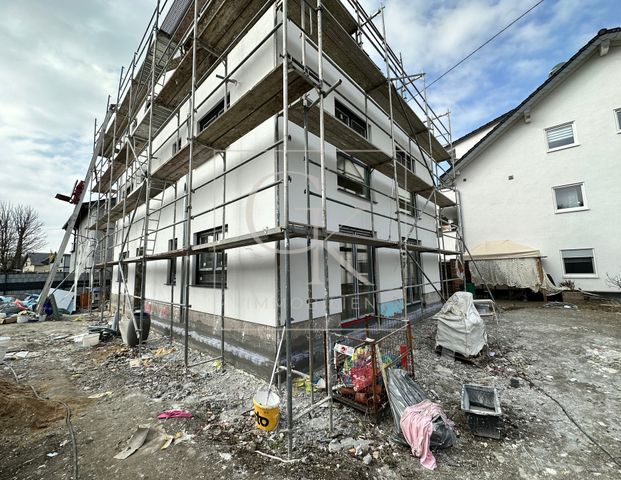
column 348, row 56
column 253, row 108
column 276, row 234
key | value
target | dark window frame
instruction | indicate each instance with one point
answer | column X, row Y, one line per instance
column 349, row 118
column 171, row 267
column 124, row 266
column 211, row 116
column 208, row 263
column 348, row 182
column 405, row 159
column 363, row 302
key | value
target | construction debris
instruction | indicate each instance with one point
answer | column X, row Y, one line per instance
column 135, row 442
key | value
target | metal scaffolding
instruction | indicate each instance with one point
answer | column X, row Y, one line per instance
column 172, row 61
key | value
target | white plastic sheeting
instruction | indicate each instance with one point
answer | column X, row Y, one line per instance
column 64, row 300
column 512, row 272
column 460, row 327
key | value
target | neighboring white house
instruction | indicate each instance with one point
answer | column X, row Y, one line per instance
column 547, row 174
column 246, row 284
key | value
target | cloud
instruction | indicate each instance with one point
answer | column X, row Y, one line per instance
column 60, row 61
column 434, row 36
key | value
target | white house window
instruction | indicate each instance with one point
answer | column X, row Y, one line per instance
column 618, row 119
column 569, row 198
column 578, row 262
column 561, row 136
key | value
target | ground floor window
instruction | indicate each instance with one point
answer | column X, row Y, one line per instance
column 210, row 265
column 413, row 274
column 357, row 277
column 578, row 261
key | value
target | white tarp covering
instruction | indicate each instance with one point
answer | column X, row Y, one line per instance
column 460, row 327
column 506, row 263
column 495, row 249
column 64, row 300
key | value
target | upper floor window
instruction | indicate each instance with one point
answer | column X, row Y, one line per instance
column 578, row 262
column 405, row 159
column 352, row 175
column 176, row 147
column 561, row 136
column 212, row 114
column 350, row 119
column 210, row 266
column 569, row 198
column 406, row 202
column 618, row 119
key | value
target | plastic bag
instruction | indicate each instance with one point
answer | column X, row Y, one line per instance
column 403, row 391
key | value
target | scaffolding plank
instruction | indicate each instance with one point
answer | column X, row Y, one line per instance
column 263, row 101
column 342, row 48
column 351, row 142
column 218, row 26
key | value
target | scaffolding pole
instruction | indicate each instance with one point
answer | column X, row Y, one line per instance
column 187, row 230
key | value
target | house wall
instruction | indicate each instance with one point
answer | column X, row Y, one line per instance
column 460, row 148
column 523, row 209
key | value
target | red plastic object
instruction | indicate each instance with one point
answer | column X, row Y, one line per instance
column 403, row 350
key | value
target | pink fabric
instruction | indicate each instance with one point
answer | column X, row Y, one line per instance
column 174, row 414
column 416, row 425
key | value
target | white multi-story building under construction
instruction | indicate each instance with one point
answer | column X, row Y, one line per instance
column 258, row 172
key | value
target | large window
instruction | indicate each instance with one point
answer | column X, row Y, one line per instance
column 561, row 136
column 171, row 270
column 353, row 176
column 212, row 114
column 578, row 262
column 570, row 198
column 350, row 119
column 210, row 266
column 357, row 283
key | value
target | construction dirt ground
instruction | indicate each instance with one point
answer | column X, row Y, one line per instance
column 549, row 366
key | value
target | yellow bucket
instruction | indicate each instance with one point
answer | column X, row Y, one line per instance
column 266, row 410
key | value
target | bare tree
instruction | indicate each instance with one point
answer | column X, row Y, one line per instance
column 7, row 236
column 21, row 232
column 29, row 234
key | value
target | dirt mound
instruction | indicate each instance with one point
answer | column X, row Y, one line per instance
column 20, row 408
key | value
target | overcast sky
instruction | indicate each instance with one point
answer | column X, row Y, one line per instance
column 61, row 59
